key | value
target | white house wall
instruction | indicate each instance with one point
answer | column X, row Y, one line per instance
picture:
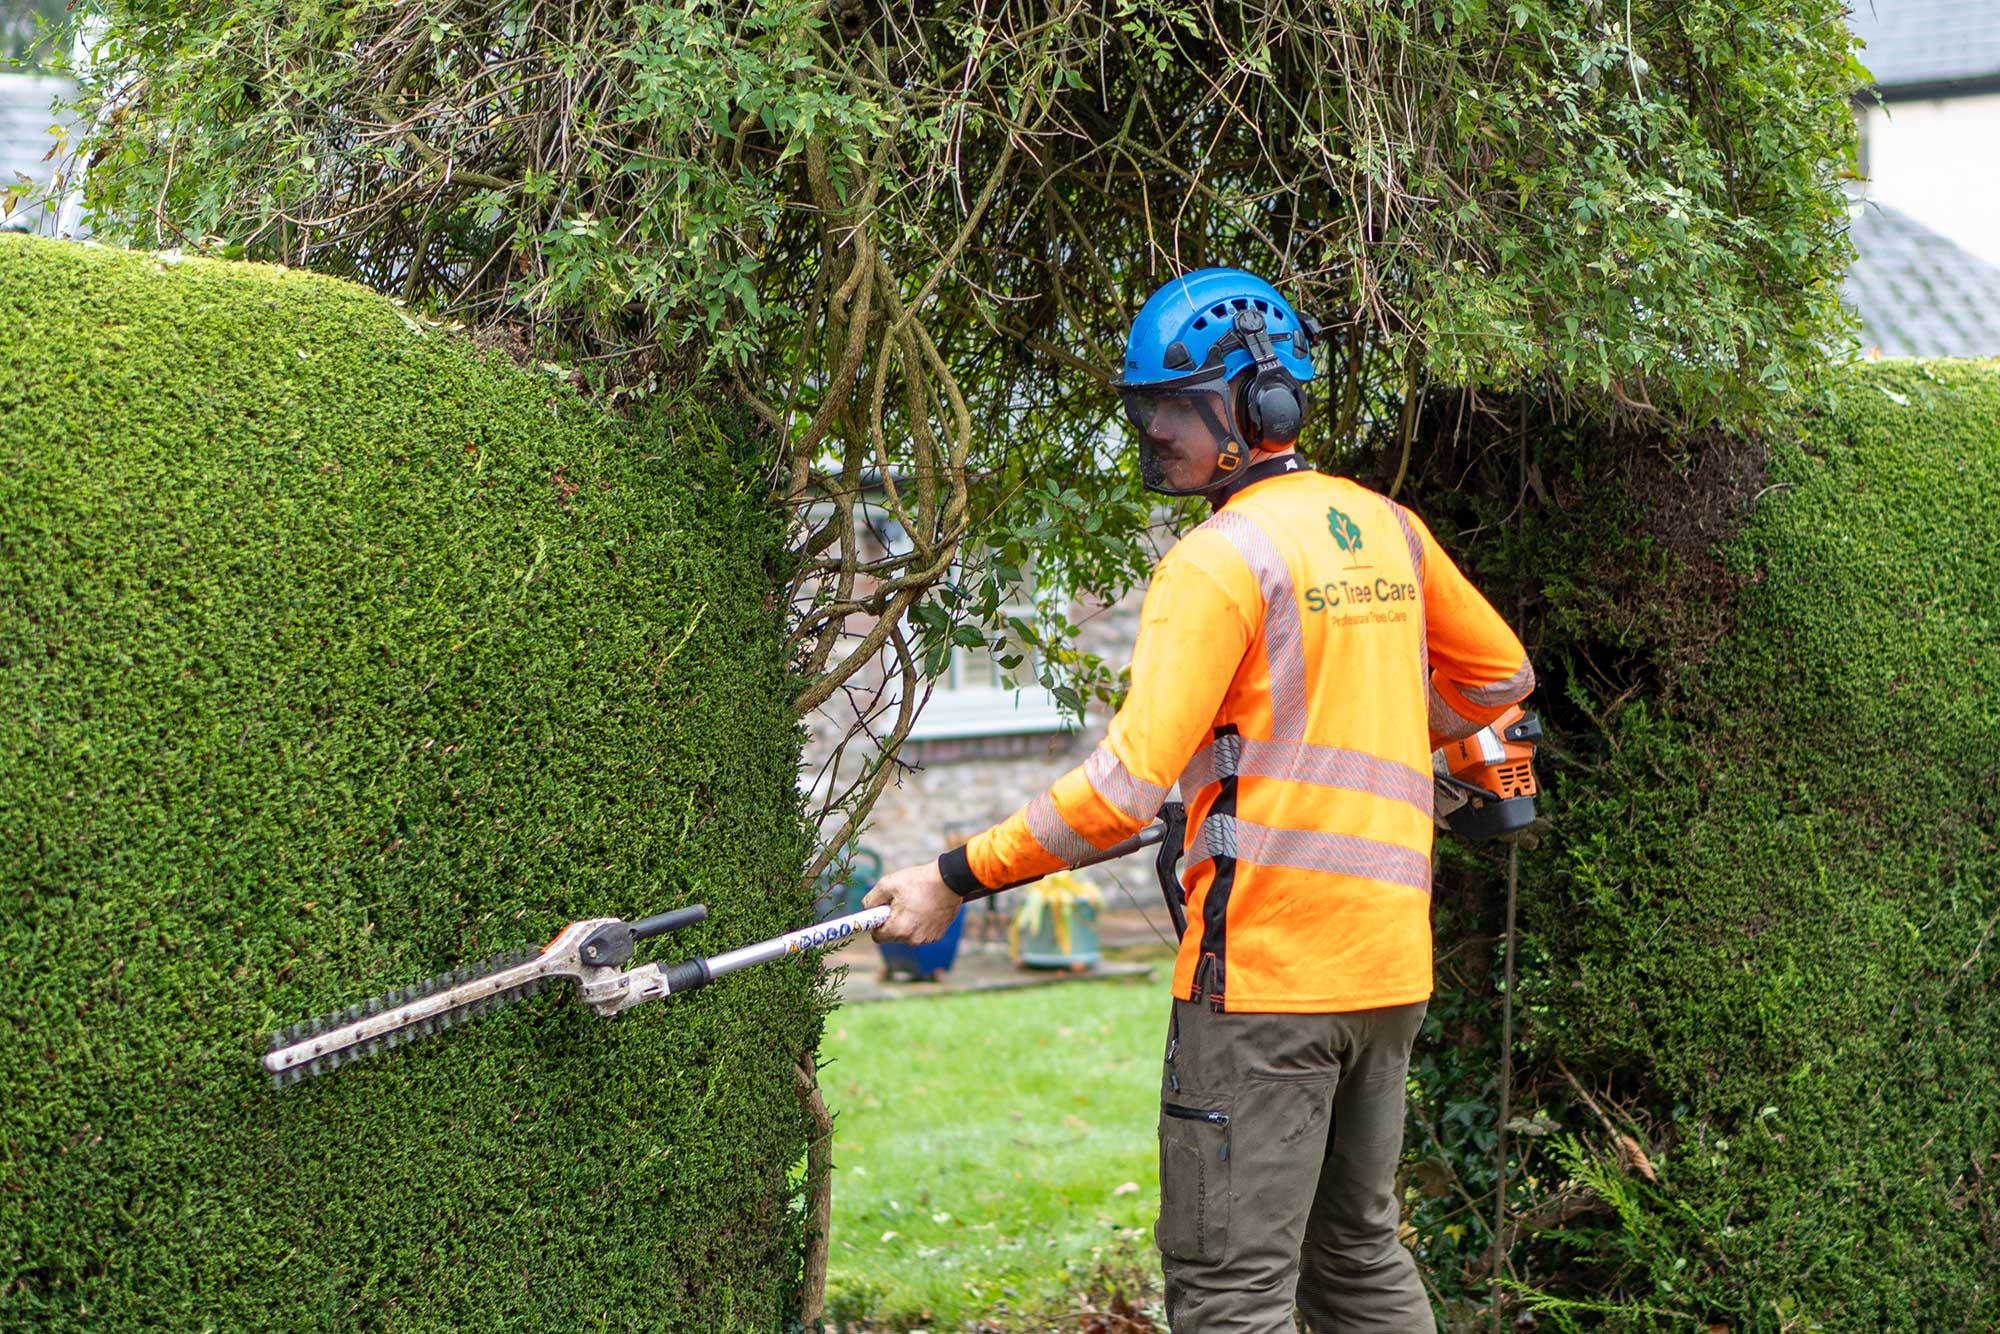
column 27, row 113
column 1939, row 162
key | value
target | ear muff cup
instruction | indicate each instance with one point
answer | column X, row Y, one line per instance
column 1272, row 405
column 1273, row 408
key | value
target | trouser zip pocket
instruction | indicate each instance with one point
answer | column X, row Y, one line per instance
column 1205, row 1115
column 1195, row 1114
column 1194, row 1183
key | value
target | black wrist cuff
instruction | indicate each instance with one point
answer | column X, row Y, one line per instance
column 956, row 868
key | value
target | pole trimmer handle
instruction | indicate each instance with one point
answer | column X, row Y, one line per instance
column 661, row 923
column 610, row 945
column 692, row 973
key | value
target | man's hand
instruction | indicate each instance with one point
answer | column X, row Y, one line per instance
column 921, row 905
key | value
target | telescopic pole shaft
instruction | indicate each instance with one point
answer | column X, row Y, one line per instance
column 692, row 973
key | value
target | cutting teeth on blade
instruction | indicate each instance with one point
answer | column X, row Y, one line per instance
column 329, row 1041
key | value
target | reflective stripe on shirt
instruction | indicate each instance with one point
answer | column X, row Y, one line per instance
column 1502, row 693
column 1133, row 796
column 1445, row 720
column 1047, row 826
column 1310, row 850
column 1284, row 640
column 1304, row 762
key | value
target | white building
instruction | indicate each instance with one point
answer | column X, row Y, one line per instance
column 27, row 114
column 1926, row 277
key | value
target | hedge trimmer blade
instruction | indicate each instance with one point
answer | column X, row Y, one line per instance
column 588, row 953
column 332, row 1040
column 591, row 953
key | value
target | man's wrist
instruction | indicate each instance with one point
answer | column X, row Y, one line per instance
column 956, row 868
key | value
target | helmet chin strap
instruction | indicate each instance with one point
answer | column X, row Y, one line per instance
column 1232, row 453
column 1237, row 465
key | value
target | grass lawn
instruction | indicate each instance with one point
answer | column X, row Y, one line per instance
column 990, row 1149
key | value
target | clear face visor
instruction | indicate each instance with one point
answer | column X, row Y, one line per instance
column 1184, row 428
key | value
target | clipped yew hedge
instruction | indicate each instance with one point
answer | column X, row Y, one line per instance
column 1784, row 912
column 1763, row 936
column 333, row 654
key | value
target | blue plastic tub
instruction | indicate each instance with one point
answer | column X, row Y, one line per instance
column 923, row 963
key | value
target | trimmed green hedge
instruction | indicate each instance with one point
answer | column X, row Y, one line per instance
column 333, row 654
column 1766, row 933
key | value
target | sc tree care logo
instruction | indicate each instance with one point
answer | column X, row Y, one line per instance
column 1366, row 600
column 1346, row 533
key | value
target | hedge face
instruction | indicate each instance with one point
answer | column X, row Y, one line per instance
column 332, row 656
column 1773, row 928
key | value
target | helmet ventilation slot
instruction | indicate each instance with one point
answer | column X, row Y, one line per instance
column 1273, row 314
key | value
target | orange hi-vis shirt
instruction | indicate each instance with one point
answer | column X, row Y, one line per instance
column 1300, row 655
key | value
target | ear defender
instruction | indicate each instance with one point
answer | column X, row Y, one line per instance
column 1273, row 404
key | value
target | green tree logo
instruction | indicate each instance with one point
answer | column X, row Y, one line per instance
column 1346, row 533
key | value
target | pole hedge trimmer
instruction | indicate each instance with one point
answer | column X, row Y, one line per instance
column 593, row 954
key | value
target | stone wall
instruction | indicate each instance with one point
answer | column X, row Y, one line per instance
column 948, row 789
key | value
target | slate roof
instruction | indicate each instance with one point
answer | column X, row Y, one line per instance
column 1918, row 294
column 1927, row 44
column 24, row 134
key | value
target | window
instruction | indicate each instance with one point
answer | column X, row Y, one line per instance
column 979, row 697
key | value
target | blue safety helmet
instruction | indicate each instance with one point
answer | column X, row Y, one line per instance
column 1225, row 343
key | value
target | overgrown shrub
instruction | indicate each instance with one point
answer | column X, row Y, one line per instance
column 333, row 654
column 911, row 238
column 1762, row 937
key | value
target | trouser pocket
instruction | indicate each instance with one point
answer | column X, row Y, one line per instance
column 1194, row 1180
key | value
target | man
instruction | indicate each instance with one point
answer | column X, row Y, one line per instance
column 1300, row 655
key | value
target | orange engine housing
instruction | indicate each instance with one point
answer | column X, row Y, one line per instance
column 1499, row 758
column 1494, row 769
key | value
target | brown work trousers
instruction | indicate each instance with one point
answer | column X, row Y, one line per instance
column 1279, row 1139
